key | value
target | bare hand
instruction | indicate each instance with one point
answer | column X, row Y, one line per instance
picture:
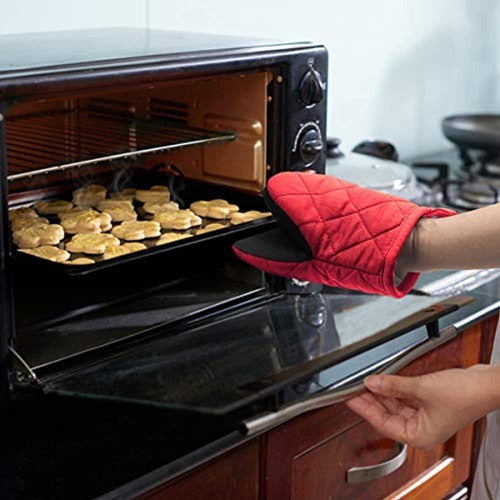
column 426, row 410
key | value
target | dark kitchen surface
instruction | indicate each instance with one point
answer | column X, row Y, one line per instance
column 21, row 54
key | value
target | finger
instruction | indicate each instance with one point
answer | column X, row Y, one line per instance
column 394, row 386
column 396, row 406
column 367, row 407
column 365, row 402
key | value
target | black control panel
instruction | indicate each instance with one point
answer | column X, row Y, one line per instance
column 305, row 110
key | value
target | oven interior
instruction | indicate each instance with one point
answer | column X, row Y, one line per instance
column 205, row 138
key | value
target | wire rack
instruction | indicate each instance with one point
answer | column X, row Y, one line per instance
column 43, row 144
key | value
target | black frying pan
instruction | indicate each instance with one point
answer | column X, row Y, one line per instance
column 473, row 131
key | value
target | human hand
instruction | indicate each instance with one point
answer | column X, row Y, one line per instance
column 426, row 410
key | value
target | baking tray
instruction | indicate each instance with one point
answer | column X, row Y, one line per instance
column 206, row 247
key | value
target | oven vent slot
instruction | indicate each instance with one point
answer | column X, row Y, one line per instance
column 47, row 143
column 171, row 110
column 111, row 107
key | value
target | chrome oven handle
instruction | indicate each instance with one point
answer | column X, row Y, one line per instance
column 265, row 421
column 357, row 475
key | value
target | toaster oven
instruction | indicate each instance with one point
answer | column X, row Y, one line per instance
column 210, row 117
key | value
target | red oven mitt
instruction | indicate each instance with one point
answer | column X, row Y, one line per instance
column 335, row 233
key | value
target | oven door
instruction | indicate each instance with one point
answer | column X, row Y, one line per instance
column 268, row 355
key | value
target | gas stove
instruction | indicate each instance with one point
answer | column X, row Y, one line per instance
column 456, row 179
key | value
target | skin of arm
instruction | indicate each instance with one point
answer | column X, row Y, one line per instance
column 426, row 410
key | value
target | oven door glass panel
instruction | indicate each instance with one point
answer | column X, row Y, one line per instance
column 238, row 359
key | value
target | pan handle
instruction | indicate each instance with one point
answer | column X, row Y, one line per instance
column 268, row 420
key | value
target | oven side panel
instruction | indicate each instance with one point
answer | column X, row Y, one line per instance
column 6, row 292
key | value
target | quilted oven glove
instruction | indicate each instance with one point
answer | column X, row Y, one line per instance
column 335, row 233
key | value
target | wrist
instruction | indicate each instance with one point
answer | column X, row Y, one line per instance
column 413, row 254
column 488, row 385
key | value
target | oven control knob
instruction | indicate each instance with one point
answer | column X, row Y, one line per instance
column 310, row 144
column 311, row 88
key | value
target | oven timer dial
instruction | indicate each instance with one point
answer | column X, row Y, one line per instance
column 308, row 143
column 311, row 88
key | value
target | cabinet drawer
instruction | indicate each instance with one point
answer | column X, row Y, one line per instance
column 321, row 472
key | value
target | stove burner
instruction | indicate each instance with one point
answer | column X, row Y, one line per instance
column 478, row 193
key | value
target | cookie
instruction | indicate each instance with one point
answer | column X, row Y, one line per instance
column 137, row 230
column 210, row 227
column 86, row 221
column 242, row 217
column 126, row 194
column 153, row 208
column 36, row 236
column 157, row 194
column 169, row 237
column 48, row 252
column 89, row 196
column 94, row 244
column 214, row 209
column 121, row 215
column 74, row 211
column 53, row 207
column 81, row 261
column 23, row 222
column 104, row 205
column 177, row 219
column 22, row 212
column 126, row 248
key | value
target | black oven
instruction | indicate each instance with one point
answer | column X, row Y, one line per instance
column 208, row 116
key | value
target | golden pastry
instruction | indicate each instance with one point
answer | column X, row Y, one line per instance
column 89, row 196
column 242, row 217
column 86, row 221
column 53, row 207
column 36, row 236
column 104, row 205
column 215, row 209
column 48, row 252
column 169, row 237
column 74, row 211
column 112, row 252
column 23, row 222
column 126, row 194
column 121, row 215
column 81, row 261
column 93, row 244
column 211, row 227
column 22, row 212
column 153, row 208
column 177, row 219
column 137, row 230
column 157, row 194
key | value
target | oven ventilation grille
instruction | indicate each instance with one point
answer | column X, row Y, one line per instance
column 172, row 110
column 47, row 143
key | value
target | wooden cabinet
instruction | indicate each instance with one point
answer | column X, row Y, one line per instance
column 307, row 458
column 234, row 476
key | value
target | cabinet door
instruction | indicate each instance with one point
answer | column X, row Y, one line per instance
column 310, row 456
column 233, row 476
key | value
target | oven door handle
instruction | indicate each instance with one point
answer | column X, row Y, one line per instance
column 268, row 420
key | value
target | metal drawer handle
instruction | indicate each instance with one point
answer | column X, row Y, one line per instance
column 265, row 421
column 358, row 475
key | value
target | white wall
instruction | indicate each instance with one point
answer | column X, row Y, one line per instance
column 396, row 66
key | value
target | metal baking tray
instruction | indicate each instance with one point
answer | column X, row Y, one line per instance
column 205, row 247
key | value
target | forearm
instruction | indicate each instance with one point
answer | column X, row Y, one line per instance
column 466, row 241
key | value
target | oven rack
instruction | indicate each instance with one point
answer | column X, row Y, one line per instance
column 43, row 144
